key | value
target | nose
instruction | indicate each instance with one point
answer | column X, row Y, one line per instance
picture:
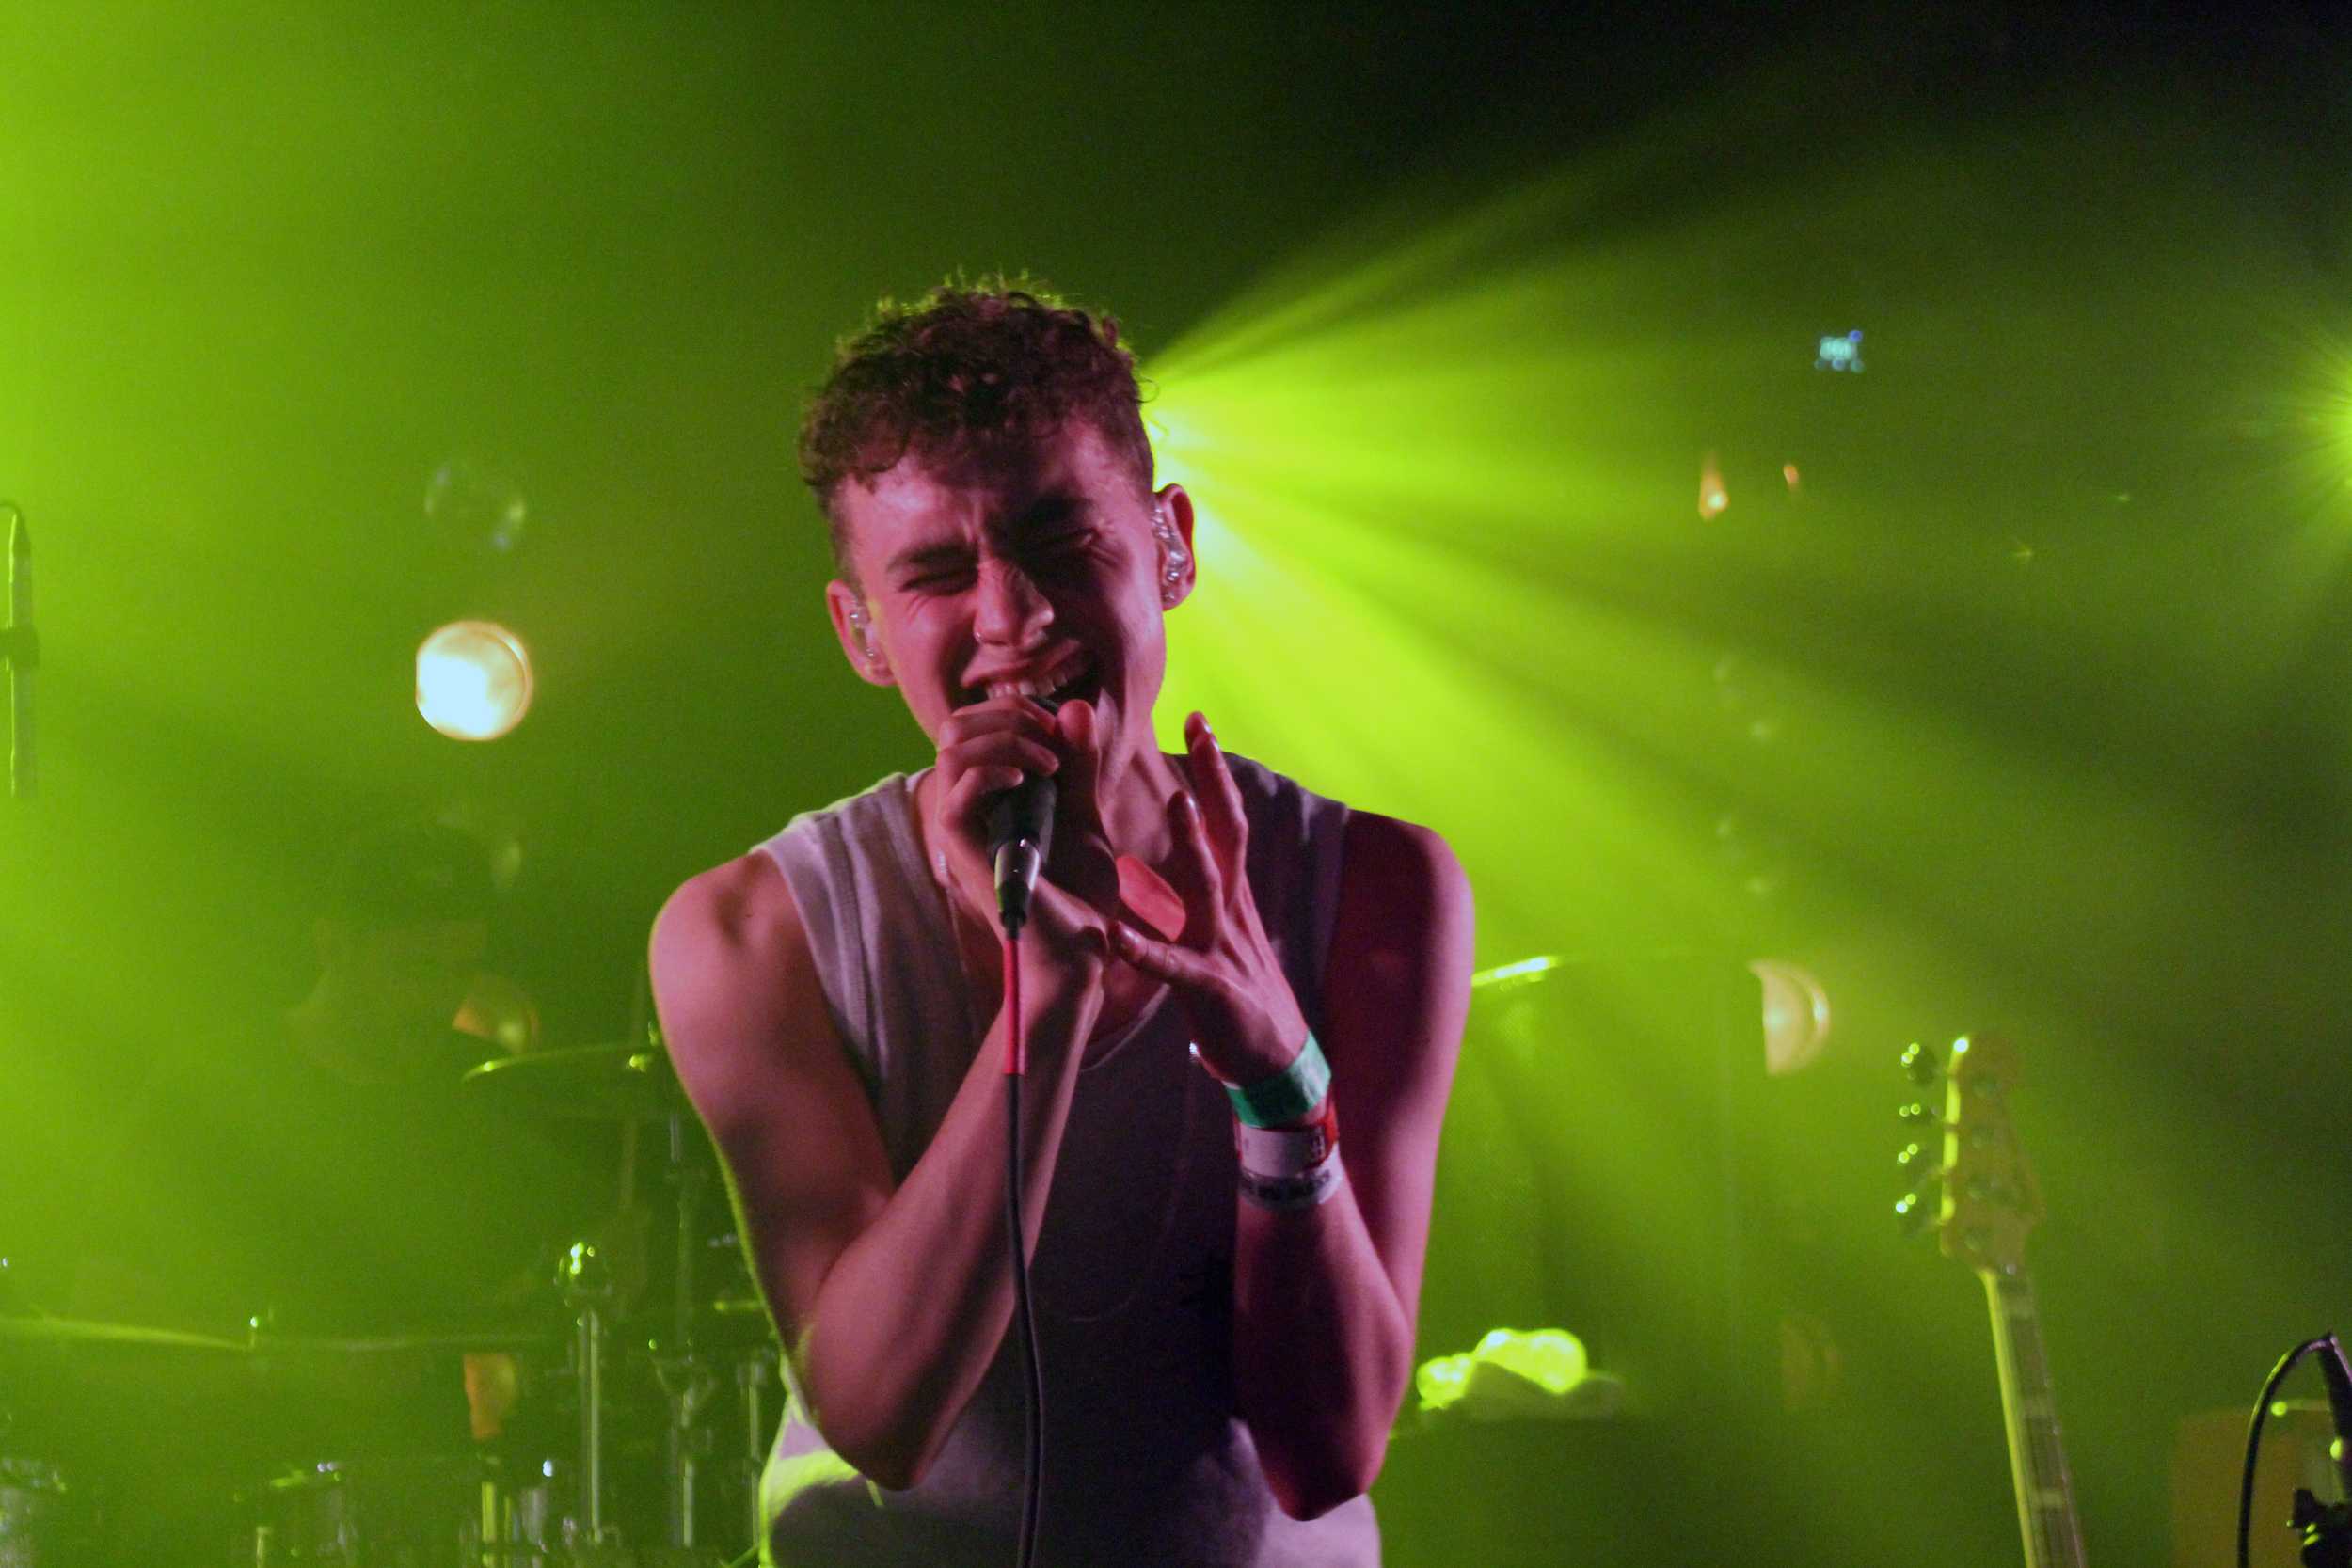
column 1013, row 612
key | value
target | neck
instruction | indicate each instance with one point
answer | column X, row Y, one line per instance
column 2045, row 1490
column 1133, row 798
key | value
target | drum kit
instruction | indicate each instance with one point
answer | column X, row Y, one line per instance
column 643, row 1426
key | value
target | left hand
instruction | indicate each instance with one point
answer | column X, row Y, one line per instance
column 1246, row 1022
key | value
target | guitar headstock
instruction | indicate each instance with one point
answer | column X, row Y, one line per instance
column 1989, row 1199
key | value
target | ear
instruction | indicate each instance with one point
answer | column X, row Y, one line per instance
column 1176, row 507
column 855, row 629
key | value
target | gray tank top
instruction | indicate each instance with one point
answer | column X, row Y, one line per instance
column 1146, row 1461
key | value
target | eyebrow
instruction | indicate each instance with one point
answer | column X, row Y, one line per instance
column 1046, row 512
column 944, row 552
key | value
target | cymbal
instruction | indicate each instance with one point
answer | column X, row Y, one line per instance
column 81, row 1333
column 597, row 1083
column 448, row 1343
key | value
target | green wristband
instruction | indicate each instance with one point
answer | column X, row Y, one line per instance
column 1291, row 1095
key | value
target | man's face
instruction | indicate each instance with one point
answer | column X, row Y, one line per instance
column 1034, row 563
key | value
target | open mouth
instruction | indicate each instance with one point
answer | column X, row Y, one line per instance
column 1066, row 681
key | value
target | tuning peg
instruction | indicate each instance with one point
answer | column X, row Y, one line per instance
column 1920, row 1065
column 1912, row 1212
column 1919, row 1113
column 1917, row 1163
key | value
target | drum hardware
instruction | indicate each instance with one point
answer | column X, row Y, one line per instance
column 587, row 1287
column 752, row 1375
column 684, row 1380
column 446, row 1511
column 702, row 1354
column 594, row 1083
column 129, row 1340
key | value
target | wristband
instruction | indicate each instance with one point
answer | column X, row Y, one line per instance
column 1292, row 1094
column 1282, row 1192
column 1290, row 1167
column 1279, row 1152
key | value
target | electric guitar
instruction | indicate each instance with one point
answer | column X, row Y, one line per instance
column 1989, row 1201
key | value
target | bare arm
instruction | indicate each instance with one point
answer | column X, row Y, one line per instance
column 1325, row 1299
column 891, row 1300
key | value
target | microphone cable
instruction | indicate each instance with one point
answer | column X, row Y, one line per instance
column 2326, row 1345
column 1024, row 1321
column 1021, row 828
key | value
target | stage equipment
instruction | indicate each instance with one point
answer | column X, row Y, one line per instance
column 1713, row 498
column 706, row 1343
column 292, row 1449
column 1511, row 1375
column 1840, row 353
column 2326, row 1527
column 1605, row 1164
column 1988, row 1200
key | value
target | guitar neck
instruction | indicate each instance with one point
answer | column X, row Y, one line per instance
column 2037, row 1460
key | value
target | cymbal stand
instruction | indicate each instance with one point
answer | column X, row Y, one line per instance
column 752, row 1371
column 588, row 1287
column 684, row 1380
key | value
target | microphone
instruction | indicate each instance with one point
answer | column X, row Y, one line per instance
column 21, row 648
column 1020, row 834
column 1020, row 831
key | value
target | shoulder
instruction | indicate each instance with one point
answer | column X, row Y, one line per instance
column 1399, row 877
column 730, row 965
column 723, row 916
column 1401, row 941
column 725, row 903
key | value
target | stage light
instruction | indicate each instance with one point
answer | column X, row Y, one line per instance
column 474, row 680
column 1796, row 1016
column 1844, row 353
column 1712, row 497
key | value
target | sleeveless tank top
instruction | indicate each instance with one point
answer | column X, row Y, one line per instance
column 1146, row 1461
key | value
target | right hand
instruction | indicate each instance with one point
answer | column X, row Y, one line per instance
column 985, row 749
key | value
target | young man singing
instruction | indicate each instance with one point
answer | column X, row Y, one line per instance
column 1225, row 1311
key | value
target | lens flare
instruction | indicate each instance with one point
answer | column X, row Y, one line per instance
column 1796, row 1016
column 474, row 680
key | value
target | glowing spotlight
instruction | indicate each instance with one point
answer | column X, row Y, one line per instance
column 1840, row 354
column 1712, row 497
column 1796, row 1016
column 1789, row 473
column 474, row 680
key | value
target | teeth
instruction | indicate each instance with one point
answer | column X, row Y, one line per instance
column 1038, row 686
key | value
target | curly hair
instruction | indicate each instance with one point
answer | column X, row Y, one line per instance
column 967, row 366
